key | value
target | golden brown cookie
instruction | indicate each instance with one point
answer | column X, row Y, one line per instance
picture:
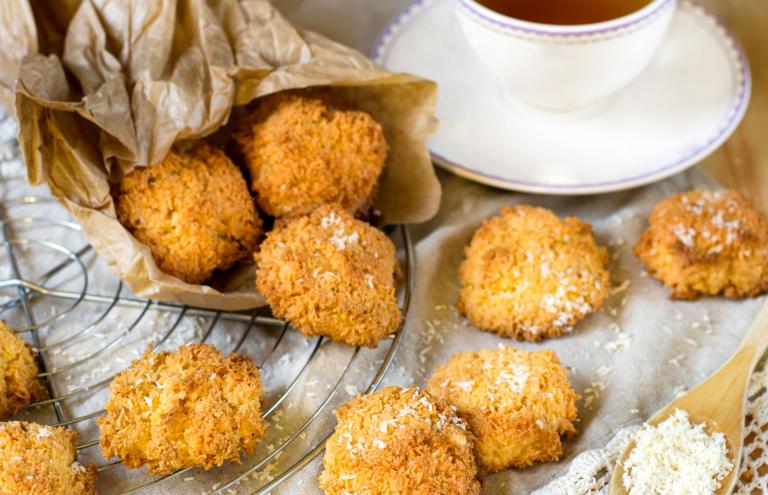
column 192, row 407
column 304, row 149
column 36, row 459
column 707, row 243
column 530, row 275
column 517, row 403
column 193, row 210
column 329, row 274
column 18, row 371
column 399, row 441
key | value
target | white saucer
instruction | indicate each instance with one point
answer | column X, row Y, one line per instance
column 689, row 100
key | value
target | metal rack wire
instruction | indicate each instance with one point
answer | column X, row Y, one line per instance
column 86, row 326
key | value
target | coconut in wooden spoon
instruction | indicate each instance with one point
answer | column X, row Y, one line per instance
column 717, row 405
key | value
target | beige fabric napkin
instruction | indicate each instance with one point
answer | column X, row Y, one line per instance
column 627, row 360
column 627, row 365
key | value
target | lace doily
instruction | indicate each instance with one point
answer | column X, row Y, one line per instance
column 590, row 472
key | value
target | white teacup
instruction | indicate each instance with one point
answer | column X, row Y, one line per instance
column 564, row 67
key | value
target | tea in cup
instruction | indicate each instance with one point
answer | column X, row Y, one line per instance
column 564, row 54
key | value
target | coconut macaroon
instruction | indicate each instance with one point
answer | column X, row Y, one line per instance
column 398, row 441
column 41, row 459
column 329, row 274
column 707, row 243
column 193, row 407
column 18, row 371
column 517, row 403
column 303, row 149
column 530, row 275
column 193, row 210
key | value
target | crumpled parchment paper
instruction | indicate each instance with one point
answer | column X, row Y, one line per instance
column 108, row 85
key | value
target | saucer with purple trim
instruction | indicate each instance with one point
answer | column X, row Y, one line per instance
column 684, row 105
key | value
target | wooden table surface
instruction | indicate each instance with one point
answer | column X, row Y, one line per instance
column 742, row 162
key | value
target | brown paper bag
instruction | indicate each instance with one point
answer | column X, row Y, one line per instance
column 131, row 78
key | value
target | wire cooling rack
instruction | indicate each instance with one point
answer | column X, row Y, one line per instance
column 86, row 326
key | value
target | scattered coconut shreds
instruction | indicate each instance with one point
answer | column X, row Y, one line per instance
column 677, row 360
column 604, row 370
column 619, row 288
column 592, row 393
column 617, row 242
column 676, row 457
column 679, row 391
column 621, row 342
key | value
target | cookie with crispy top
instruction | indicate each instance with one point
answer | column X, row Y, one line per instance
column 707, row 243
column 303, row 149
column 398, row 441
column 18, row 371
column 41, row 460
column 530, row 275
column 192, row 407
column 330, row 274
column 193, row 210
column 519, row 404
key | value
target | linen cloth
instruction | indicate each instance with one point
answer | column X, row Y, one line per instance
column 626, row 361
column 626, row 365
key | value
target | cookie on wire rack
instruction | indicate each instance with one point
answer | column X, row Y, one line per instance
column 189, row 408
column 398, row 441
column 707, row 243
column 518, row 404
column 193, row 210
column 530, row 275
column 303, row 149
column 37, row 459
column 330, row 274
column 18, row 374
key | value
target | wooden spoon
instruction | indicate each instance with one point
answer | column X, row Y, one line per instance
column 718, row 402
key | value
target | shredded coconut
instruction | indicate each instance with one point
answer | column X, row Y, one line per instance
column 330, row 220
column 676, row 457
column 379, row 444
column 467, row 385
column 516, row 377
column 685, row 235
column 622, row 341
column 340, row 239
column 44, row 432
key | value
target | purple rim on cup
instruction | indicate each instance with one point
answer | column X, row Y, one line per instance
column 725, row 129
column 562, row 30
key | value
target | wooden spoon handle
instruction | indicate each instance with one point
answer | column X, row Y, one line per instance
column 756, row 339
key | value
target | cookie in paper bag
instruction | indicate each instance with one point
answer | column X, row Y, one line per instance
column 193, row 210
column 304, row 149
